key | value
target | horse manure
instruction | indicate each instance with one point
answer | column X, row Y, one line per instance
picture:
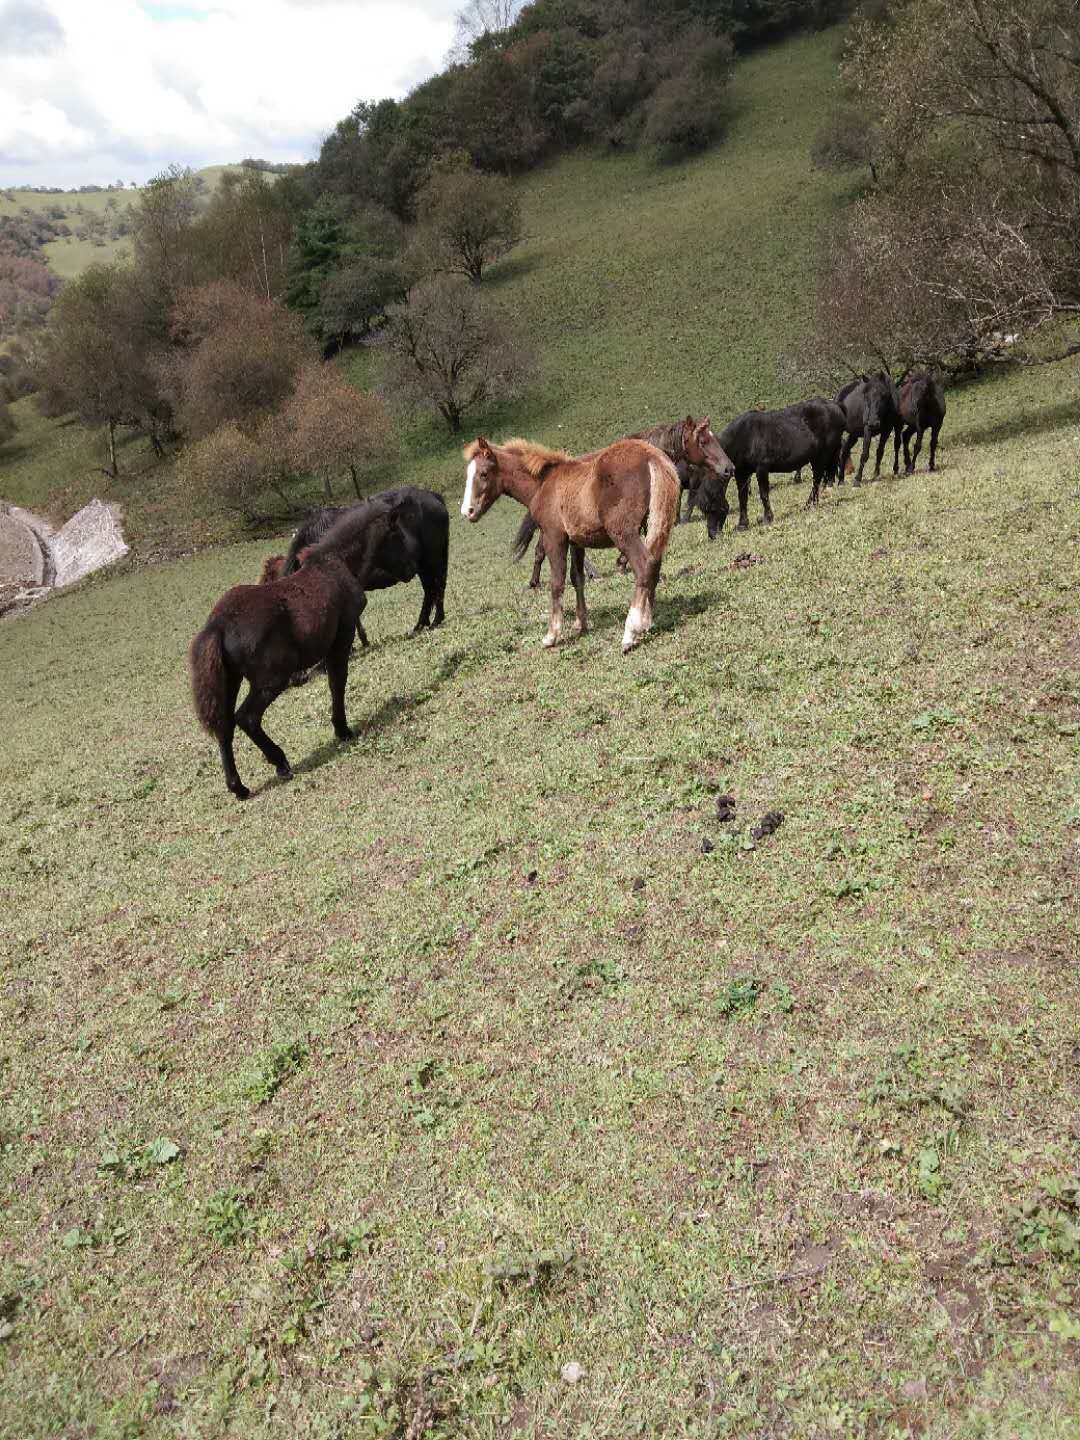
column 638, row 885
column 530, row 878
column 725, row 808
column 767, row 825
column 745, row 559
column 707, row 846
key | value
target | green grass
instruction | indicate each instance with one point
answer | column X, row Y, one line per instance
column 478, row 1065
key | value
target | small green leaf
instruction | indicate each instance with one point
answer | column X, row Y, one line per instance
column 162, row 1151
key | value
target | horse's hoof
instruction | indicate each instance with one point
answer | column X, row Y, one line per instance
column 550, row 641
column 242, row 792
column 345, row 734
column 284, row 772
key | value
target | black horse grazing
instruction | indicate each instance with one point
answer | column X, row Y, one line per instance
column 762, row 441
column 265, row 633
column 426, row 527
column 871, row 406
column 922, row 407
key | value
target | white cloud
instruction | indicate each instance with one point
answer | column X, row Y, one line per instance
column 95, row 90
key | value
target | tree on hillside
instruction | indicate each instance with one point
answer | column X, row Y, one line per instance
column 466, row 221
column 236, row 357
column 246, row 231
column 161, row 219
column 451, row 351
column 7, row 423
column 978, row 207
column 329, row 428
column 100, row 353
column 345, row 267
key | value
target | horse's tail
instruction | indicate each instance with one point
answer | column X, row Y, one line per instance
column 208, row 679
column 526, row 530
column 665, row 491
column 272, row 568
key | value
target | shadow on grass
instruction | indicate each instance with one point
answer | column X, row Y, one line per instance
column 387, row 714
column 1031, row 422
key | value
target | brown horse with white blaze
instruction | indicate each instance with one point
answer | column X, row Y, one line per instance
column 593, row 502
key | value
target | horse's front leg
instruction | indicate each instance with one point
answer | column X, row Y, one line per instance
column 249, row 718
column 555, row 548
column 846, row 447
column 908, row 466
column 883, row 440
column 763, row 492
column 934, row 432
column 915, row 450
column 742, row 484
column 864, row 455
column 896, row 447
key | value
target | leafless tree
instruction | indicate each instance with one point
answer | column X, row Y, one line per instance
column 451, row 351
column 478, row 18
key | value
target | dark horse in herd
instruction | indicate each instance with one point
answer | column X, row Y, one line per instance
column 628, row 496
column 266, row 633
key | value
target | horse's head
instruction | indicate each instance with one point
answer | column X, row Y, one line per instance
column 701, row 447
column 482, row 486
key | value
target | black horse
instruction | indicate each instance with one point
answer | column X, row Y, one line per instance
column 922, row 407
column 762, row 441
column 871, row 406
column 266, row 633
column 426, row 527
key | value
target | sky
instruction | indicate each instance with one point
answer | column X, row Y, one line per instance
column 93, row 91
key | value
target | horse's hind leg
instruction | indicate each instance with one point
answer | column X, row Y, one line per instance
column 577, row 575
column 225, row 739
column 646, row 568
column 556, row 554
column 763, row 493
column 935, row 430
column 812, row 498
column 249, row 718
column 361, row 633
column 538, row 563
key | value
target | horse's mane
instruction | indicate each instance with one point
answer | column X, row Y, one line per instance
column 271, row 569
column 668, row 438
column 534, row 457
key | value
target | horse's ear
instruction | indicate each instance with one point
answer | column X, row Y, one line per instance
column 482, row 445
column 706, row 423
column 689, row 421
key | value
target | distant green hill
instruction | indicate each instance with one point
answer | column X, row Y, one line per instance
column 70, row 255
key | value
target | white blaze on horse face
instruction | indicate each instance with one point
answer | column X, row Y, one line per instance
column 470, row 476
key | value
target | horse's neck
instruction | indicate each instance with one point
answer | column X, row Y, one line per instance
column 668, row 438
column 517, row 481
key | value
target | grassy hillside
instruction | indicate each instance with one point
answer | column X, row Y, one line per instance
column 649, row 291
column 483, row 1049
